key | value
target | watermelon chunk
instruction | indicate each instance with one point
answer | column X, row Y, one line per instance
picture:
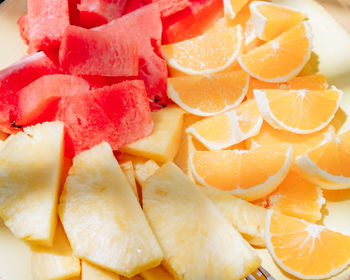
column 43, row 94
column 192, row 21
column 47, row 20
column 89, row 52
column 170, row 7
column 97, row 12
column 145, row 26
column 16, row 77
column 24, row 28
column 118, row 114
column 133, row 5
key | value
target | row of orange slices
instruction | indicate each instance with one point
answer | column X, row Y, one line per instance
column 264, row 131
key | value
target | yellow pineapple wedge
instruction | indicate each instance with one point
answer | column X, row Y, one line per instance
column 145, row 170
column 247, row 218
column 128, row 170
column 93, row 272
column 102, row 217
column 157, row 273
column 197, row 241
column 163, row 144
column 56, row 262
column 30, row 170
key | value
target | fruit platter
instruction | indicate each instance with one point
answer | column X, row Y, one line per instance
column 174, row 139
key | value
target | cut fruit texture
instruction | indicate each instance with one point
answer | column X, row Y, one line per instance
column 197, row 241
column 56, row 262
column 247, row 218
column 230, row 128
column 230, row 170
column 233, row 7
column 271, row 20
column 128, row 170
column 158, row 273
column 145, row 170
column 89, row 52
column 182, row 158
column 93, row 272
column 102, row 217
column 168, row 8
column 166, row 133
column 327, row 165
column 310, row 112
column 31, row 163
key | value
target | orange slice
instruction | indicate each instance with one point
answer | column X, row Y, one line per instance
column 306, row 250
column 282, row 58
column 298, row 198
column 329, row 164
column 230, row 128
column 310, row 82
column 233, row 7
column 208, row 95
column 211, row 52
column 271, row 20
column 298, row 111
column 231, row 170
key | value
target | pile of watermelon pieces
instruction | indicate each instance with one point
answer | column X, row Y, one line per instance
column 96, row 66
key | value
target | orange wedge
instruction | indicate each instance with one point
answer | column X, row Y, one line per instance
column 232, row 170
column 214, row 51
column 329, row 164
column 230, row 128
column 271, row 20
column 208, row 95
column 298, row 198
column 310, row 82
column 298, row 111
column 306, row 250
column 233, row 7
column 282, row 58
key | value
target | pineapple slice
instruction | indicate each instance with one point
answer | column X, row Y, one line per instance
column 56, row 262
column 197, row 241
column 102, row 218
column 30, row 170
column 247, row 218
column 145, row 170
column 163, row 144
column 93, row 272
column 158, row 273
column 182, row 158
column 128, row 170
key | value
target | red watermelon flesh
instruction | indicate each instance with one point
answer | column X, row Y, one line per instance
column 45, row 92
column 47, row 20
column 132, row 5
column 16, row 77
column 74, row 12
column 192, row 21
column 118, row 114
column 170, row 7
column 145, row 26
column 89, row 52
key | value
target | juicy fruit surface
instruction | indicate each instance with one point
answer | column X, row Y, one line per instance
column 232, row 7
column 198, row 242
column 102, row 217
column 305, row 250
column 168, row 8
column 93, row 272
column 30, row 176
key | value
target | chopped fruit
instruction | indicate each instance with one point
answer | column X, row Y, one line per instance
column 24, row 28
column 232, row 7
column 182, row 158
column 89, row 52
column 281, row 59
column 158, row 273
column 306, row 250
column 298, row 111
column 168, row 8
column 56, row 262
column 298, row 198
column 247, row 218
column 271, row 20
column 310, row 82
column 328, row 165
column 96, row 116
column 30, row 170
column 203, row 55
column 145, row 170
column 250, row 39
column 302, row 143
column 192, row 21
column 209, row 95
column 312, row 66
column 231, row 170
column 102, row 217
column 197, row 241
column 38, row 101
column 163, row 143
column 230, row 128
column 47, row 20
column 128, row 170
column 93, row 272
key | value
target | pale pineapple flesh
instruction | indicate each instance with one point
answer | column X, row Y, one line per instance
column 157, row 273
column 197, row 241
column 30, row 170
column 102, row 217
column 93, row 272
